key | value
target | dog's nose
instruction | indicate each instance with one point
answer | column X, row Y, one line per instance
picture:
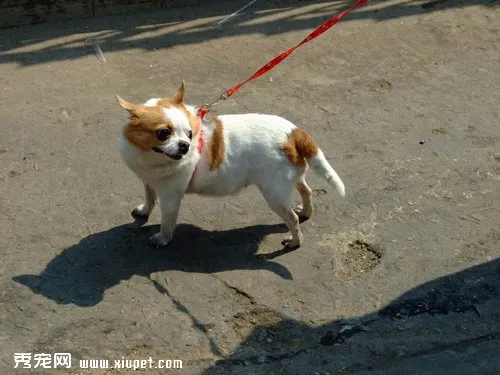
column 183, row 147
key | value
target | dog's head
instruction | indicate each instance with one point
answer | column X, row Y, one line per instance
column 167, row 127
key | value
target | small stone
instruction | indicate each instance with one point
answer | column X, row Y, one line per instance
column 401, row 351
column 261, row 359
column 347, row 327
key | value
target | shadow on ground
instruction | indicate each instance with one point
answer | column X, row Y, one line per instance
column 458, row 313
column 83, row 272
column 151, row 31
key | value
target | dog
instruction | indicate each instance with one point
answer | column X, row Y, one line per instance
column 174, row 152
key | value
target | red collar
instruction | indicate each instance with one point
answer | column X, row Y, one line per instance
column 200, row 140
column 202, row 111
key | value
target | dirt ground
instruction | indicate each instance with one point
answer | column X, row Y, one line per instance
column 400, row 277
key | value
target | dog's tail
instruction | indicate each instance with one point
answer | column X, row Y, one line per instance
column 301, row 146
column 325, row 170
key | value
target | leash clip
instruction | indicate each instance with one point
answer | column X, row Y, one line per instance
column 202, row 111
column 224, row 96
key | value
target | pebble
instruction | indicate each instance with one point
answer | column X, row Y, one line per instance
column 401, row 351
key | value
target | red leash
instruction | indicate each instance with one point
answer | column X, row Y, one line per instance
column 278, row 59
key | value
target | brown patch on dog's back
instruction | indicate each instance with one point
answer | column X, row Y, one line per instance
column 216, row 146
column 144, row 121
column 299, row 147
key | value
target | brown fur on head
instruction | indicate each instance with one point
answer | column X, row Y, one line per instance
column 145, row 121
column 143, row 124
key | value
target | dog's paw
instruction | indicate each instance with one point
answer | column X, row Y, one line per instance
column 303, row 213
column 158, row 240
column 290, row 243
column 141, row 211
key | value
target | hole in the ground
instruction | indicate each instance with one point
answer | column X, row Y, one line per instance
column 361, row 257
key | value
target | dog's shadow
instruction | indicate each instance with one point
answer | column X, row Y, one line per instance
column 81, row 273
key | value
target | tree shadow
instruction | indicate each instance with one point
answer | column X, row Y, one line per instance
column 83, row 272
column 118, row 33
column 416, row 8
column 453, row 312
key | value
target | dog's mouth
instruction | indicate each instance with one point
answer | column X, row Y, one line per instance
column 174, row 156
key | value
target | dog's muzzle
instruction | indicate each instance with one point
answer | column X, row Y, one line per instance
column 160, row 151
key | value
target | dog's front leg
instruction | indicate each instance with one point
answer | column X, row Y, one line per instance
column 169, row 205
column 144, row 210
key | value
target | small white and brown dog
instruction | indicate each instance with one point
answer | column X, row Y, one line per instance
column 173, row 152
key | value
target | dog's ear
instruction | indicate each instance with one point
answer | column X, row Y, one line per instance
column 178, row 97
column 126, row 105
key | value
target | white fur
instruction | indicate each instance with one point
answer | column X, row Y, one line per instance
column 152, row 102
column 253, row 155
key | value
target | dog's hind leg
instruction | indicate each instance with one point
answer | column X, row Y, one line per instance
column 145, row 209
column 280, row 202
column 292, row 222
column 304, row 210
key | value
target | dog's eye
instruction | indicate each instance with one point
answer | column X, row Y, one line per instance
column 163, row 134
column 190, row 134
